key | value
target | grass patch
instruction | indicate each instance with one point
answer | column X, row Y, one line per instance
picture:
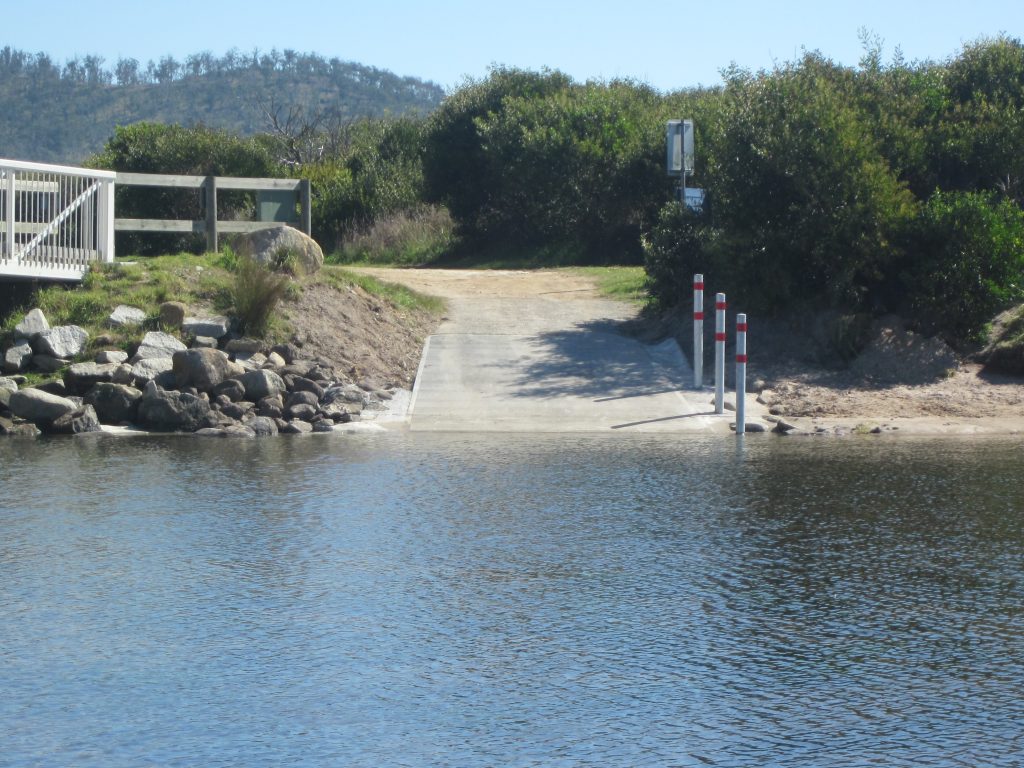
column 622, row 283
column 408, row 238
column 405, row 298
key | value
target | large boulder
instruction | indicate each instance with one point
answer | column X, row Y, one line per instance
column 77, row 422
column 81, row 377
column 213, row 327
column 33, row 323
column 157, row 344
column 123, row 315
column 38, row 406
column 172, row 411
column 18, row 428
column 63, row 341
column 151, row 368
column 7, row 388
column 261, row 383
column 203, row 369
column 277, row 246
column 172, row 314
column 17, row 357
column 114, row 403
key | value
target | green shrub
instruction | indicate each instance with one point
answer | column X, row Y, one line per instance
column 257, row 292
column 965, row 262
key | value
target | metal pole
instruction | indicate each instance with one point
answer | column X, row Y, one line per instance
column 720, row 307
column 698, row 331
column 741, row 374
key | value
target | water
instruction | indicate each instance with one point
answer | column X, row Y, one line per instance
column 408, row 600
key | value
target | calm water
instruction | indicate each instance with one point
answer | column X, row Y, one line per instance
column 409, row 600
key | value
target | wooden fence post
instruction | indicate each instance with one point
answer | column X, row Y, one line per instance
column 306, row 201
column 211, row 213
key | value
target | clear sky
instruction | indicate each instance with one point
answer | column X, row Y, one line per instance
column 670, row 45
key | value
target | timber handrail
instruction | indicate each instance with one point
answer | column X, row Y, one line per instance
column 211, row 226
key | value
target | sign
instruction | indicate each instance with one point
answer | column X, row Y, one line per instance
column 679, row 141
column 694, row 199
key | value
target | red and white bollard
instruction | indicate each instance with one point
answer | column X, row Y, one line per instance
column 720, row 307
column 741, row 374
column 698, row 331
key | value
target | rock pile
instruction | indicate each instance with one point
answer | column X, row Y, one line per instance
column 217, row 386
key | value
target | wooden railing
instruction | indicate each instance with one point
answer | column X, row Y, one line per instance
column 54, row 220
column 284, row 194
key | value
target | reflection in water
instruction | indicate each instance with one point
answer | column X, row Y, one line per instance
column 474, row 601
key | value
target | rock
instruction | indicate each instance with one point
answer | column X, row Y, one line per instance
column 302, row 384
column 278, row 246
column 204, row 342
column 262, row 426
column 177, row 411
column 123, row 374
column 55, row 387
column 271, row 407
column 236, row 410
column 62, row 341
column 172, row 314
column 48, row 363
column 213, row 327
column 274, row 360
column 150, row 368
column 244, row 346
column 296, row 427
column 114, row 403
column 18, row 428
column 299, row 368
column 77, row 422
column 7, row 387
column 750, row 426
column 302, row 411
column 783, row 427
column 289, row 352
column 261, row 383
column 32, row 324
column 239, row 430
column 203, row 369
column 157, row 344
column 39, row 407
column 301, row 398
column 251, row 362
column 111, row 356
column 209, row 432
column 232, row 389
column 81, row 377
column 323, row 426
column 123, row 315
column 16, row 358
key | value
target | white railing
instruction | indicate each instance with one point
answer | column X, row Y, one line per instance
column 54, row 220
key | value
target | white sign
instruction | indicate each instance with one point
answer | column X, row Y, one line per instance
column 679, row 140
column 694, row 199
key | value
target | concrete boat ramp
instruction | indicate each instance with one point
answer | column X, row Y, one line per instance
column 540, row 351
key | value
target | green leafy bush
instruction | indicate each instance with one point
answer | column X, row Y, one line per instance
column 965, row 262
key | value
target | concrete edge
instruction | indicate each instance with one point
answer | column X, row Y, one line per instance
column 419, row 377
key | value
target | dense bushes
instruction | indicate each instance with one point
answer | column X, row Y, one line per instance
column 872, row 189
column 174, row 149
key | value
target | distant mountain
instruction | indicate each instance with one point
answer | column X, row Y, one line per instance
column 65, row 113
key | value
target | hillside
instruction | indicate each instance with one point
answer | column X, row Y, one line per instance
column 64, row 113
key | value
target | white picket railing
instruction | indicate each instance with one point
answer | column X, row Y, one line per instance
column 54, row 220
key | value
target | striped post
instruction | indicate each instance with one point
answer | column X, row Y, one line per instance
column 720, row 352
column 741, row 374
column 698, row 331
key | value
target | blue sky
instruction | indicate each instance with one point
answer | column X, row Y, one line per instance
column 669, row 45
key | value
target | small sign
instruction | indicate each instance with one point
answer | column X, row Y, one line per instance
column 694, row 199
column 679, row 141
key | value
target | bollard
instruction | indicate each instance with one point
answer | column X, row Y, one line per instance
column 741, row 374
column 720, row 307
column 698, row 331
